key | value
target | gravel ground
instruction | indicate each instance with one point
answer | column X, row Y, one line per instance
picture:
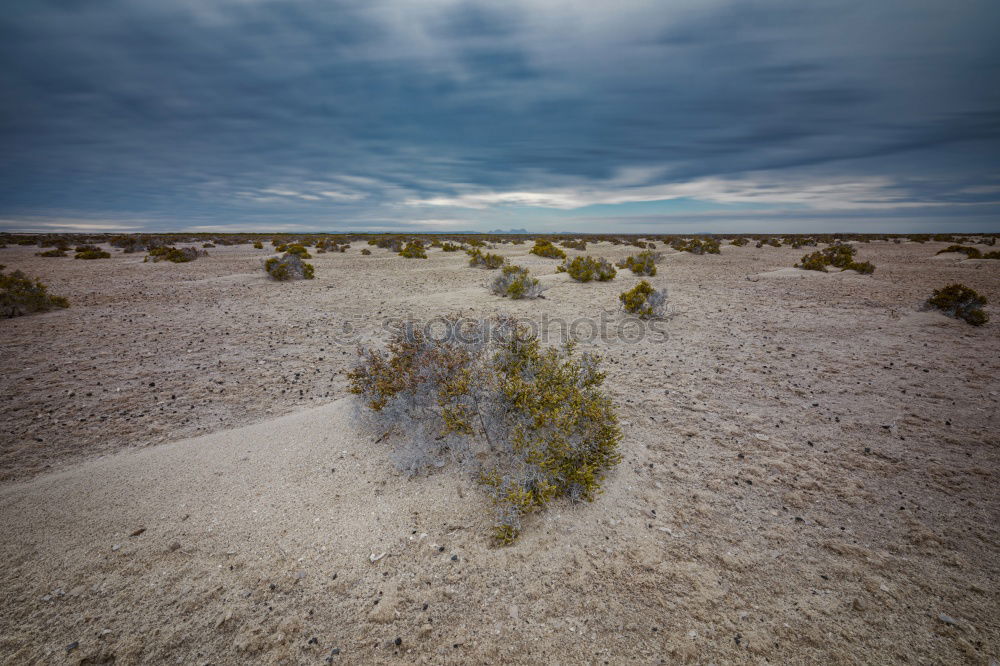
column 809, row 475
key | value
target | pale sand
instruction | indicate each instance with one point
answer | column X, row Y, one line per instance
column 744, row 524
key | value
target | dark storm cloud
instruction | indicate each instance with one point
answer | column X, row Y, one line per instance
column 215, row 112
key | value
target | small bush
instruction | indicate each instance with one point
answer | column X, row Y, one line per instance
column 585, row 269
column 54, row 252
column 414, row 250
column 993, row 254
column 970, row 252
column 739, row 242
column 960, row 302
column 257, row 245
column 574, row 244
column 289, row 267
column 532, row 423
column 478, row 259
column 838, row 256
column 544, row 248
column 515, row 283
column 696, row 245
column 450, row 247
column 21, row 295
column 91, row 252
column 298, row 250
column 644, row 301
column 175, row 255
column 643, row 263
column 365, row 250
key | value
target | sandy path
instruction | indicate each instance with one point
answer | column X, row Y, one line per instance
column 809, row 476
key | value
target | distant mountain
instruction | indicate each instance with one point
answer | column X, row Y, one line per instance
column 511, row 231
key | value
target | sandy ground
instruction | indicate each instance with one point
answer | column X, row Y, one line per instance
column 810, row 472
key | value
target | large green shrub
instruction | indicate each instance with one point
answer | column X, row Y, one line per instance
column 970, row 252
column 533, row 421
column 414, row 250
column 643, row 301
column 838, row 256
column 90, row 252
column 585, row 269
column 515, row 282
column 961, row 302
column 544, row 248
column 643, row 263
column 696, row 245
column 480, row 259
column 21, row 295
column 289, row 267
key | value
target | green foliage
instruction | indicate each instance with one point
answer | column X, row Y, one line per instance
column 175, row 255
column 544, row 248
column 643, row 263
column 90, row 252
column 450, row 247
column 299, row 250
column 536, row 418
column 643, row 301
column 696, row 245
column 739, row 242
column 574, row 244
column 289, row 267
column 54, row 252
column 515, row 283
column 992, row 254
column 21, row 295
column 585, row 269
column 414, row 250
column 838, row 256
column 479, row 259
column 960, row 302
column 970, row 252
column 257, row 245
column 365, row 251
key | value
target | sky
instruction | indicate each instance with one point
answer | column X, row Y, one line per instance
column 633, row 116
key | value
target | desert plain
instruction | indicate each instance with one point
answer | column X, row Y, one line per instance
column 809, row 475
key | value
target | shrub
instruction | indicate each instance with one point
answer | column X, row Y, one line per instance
column 970, row 252
column 739, row 242
column 477, row 259
column 414, row 250
column 643, row 263
column 574, row 244
column 257, row 245
column 960, row 302
column 91, row 252
column 297, row 249
column 585, row 269
column 838, row 256
column 774, row 242
column 54, row 252
column 365, row 250
column 544, row 248
column 289, row 267
column 450, row 247
column 20, row 295
column 207, row 245
column 514, row 282
column 175, row 255
column 533, row 422
column 644, row 301
column 993, row 254
column 696, row 245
